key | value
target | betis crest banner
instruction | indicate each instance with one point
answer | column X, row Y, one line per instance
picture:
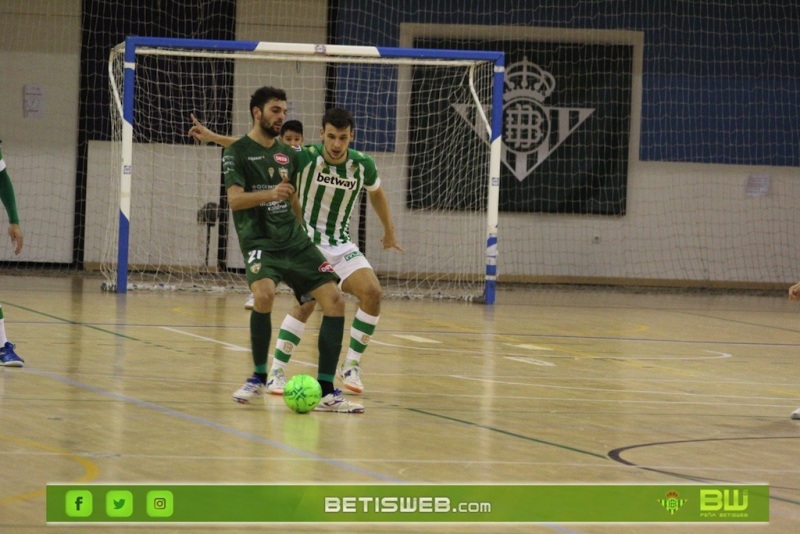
column 566, row 129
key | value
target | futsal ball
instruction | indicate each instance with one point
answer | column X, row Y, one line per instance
column 302, row 393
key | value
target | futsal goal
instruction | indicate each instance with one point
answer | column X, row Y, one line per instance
column 168, row 224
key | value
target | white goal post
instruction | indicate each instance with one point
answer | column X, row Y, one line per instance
column 167, row 221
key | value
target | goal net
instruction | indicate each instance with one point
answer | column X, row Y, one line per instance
column 168, row 224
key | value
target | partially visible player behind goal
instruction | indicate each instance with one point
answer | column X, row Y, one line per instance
column 328, row 225
column 794, row 294
column 9, row 358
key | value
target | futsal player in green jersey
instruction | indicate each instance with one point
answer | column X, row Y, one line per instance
column 330, row 181
column 330, row 184
column 260, row 176
column 292, row 135
column 9, row 358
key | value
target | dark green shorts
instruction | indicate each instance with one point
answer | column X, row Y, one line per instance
column 303, row 271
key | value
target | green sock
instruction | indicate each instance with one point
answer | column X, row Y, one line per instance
column 331, row 332
column 260, row 334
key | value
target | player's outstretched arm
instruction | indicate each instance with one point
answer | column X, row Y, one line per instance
column 794, row 292
column 201, row 134
column 15, row 233
column 10, row 204
column 380, row 203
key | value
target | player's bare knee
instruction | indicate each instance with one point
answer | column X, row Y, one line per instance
column 330, row 299
column 336, row 307
column 302, row 312
column 263, row 300
column 369, row 297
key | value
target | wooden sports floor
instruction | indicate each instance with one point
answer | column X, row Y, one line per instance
column 549, row 386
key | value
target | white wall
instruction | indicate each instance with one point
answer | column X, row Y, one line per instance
column 40, row 46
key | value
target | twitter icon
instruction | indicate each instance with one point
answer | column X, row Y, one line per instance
column 119, row 503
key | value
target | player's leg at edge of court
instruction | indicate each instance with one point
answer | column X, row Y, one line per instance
column 8, row 358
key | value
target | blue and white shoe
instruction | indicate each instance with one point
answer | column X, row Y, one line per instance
column 334, row 402
column 251, row 390
column 9, row 358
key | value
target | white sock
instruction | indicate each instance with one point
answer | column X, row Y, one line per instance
column 292, row 328
column 360, row 334
column 3, row 338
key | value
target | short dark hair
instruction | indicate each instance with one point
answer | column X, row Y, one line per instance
column 264, row 95
column 292, row 126
column 338, row 118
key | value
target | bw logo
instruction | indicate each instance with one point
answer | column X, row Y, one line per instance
column 532, row 130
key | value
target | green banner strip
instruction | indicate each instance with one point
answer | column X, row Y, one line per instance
column 400, row 503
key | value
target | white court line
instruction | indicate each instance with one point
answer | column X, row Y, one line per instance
column 229, row 346
column 480, row 353
column 668, row 358
column 527, row 346
column 663, row 394
column 416, row 338
column 532, row 361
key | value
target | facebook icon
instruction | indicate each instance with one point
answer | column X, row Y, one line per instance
column 78, row 503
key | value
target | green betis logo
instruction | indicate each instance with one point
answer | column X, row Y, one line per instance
column 672, row 503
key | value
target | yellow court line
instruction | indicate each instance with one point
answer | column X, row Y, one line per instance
column 90, row 468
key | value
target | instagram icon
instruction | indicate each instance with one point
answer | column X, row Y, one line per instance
column 160, row 503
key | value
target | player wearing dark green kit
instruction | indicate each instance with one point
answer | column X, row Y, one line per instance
column 9, row 358
column 260, row 179
column 273, row 242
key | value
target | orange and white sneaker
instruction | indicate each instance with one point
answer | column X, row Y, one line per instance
column 350, row 374
column 276, row 382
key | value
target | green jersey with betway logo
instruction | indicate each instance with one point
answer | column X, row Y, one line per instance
column 328, row 193
column 270, row 226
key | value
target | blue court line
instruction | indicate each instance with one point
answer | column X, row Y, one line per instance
column 214, row 426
